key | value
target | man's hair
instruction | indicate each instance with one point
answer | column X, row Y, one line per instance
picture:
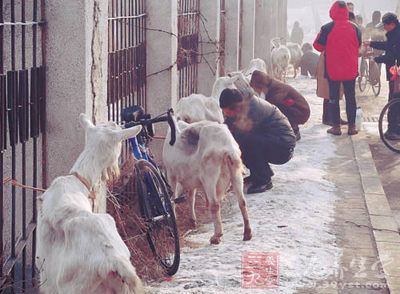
column 229, row 97
column 389, row 18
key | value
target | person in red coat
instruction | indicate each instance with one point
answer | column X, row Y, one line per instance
column 340, row 41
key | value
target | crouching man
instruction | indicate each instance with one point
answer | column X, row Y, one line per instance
column 263, row 133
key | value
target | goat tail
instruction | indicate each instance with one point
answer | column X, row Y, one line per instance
column 124, row 272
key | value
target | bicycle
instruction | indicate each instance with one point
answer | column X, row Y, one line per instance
column 393, row 145
column 370, row 73
column 153, row 190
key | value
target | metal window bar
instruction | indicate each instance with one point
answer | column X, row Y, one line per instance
column 22, row 117
column 222, row 38
column 188, row 46
column 126, row 57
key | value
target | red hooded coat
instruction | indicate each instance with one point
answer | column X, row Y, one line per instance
column 341, row 40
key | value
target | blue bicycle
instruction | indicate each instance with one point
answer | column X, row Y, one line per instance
column 153, row 190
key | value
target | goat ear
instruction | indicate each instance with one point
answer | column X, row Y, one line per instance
column 85, row 121
column 128, row 133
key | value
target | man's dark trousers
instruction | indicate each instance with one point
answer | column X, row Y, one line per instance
column 258, row 152
column 349, row 93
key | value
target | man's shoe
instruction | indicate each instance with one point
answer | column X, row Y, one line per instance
column 335, row 130
column 352, row 130
column 391, row 135
column 259, row 188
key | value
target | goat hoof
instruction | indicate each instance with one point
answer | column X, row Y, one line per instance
column 247, row 236
column 215, row 240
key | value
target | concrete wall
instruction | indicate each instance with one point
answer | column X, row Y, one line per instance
column 77, row 60
column 76, row 76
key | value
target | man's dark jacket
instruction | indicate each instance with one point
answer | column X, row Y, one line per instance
column 392, row 50
column 264, row 120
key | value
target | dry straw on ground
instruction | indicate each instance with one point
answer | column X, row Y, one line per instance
column 123, row 205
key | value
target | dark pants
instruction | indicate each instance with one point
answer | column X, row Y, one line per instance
column 394, row 111
column 258, row 152
column 351, row 105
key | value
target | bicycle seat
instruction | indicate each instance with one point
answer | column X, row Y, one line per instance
column 133, row 113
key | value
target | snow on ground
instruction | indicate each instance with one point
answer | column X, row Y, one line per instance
column 293, row 220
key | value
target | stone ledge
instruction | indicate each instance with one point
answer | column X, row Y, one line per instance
column 378, row 204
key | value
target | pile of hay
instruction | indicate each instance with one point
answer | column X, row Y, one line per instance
column 123, row 205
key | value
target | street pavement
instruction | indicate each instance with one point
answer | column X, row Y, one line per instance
column 367, row 218
column 328, row 217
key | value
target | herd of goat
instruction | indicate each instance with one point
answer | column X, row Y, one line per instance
column 80, row 251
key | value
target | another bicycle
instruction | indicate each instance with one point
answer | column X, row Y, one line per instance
column 370, row 73
column 393, row 145
column 153, row 190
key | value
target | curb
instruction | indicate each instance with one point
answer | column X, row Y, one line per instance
column 383, row 225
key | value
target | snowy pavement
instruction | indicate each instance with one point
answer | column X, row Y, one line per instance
column 293, row 220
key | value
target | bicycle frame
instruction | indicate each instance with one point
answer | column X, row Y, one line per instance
column 138, row 150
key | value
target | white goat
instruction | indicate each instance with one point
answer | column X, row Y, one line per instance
column 280, row 57
column 255, row 64
column 295, row 56
column 206, row 156
column 79, row 251
column 198, row 107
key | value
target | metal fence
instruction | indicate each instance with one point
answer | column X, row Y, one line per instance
column 221, row 47
column 126, row 56
column 188, row 46
column 22, row 137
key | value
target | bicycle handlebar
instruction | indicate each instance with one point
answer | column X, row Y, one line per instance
column 168, row 117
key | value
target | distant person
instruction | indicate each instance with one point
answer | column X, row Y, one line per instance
column 309, row 61
column 297, row 34
column 340, row 40
column 374, row 31
column 392, row 54
column 352, row 17
column 359, row 22
column 376, row 19
column 350, row 6
column 263, row 133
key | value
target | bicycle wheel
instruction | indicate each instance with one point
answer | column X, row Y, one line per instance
column 376, row 88
column 393, row 145
column 375, row 77
column 157, row 210
column 363, row 78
